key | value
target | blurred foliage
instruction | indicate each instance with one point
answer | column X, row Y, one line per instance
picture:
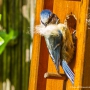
column 0, row 16
column 1, row 41
column 15, row 41
column 5, row 38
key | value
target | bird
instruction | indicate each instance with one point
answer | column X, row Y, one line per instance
column 59, row 41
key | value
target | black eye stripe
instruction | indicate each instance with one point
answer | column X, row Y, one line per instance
column 53, row 15
column 50, row 19
column 45, row 24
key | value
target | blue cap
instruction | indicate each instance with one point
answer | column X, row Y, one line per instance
column 45, row 14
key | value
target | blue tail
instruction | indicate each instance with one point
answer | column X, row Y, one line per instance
column 68, row 71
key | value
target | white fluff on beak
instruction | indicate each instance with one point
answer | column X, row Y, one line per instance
column 51, row 29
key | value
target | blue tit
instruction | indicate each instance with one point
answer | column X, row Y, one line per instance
column 58, row 40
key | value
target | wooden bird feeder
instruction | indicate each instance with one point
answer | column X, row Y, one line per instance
column 76, row 13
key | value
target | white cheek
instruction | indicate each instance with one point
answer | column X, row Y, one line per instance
column 44, row 20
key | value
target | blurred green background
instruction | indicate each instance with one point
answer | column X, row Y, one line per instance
column 16, row 34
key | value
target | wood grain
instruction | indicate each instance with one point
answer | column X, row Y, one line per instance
column 55, row 76
column 81, row 35
column 41, row 63
column 36, row 51
column 62, row 9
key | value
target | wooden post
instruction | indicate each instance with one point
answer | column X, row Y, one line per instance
column 41, row 61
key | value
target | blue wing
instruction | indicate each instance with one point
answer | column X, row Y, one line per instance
column 54, row 47
column 68, row 71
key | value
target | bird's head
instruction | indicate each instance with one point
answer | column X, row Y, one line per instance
column 47, row 17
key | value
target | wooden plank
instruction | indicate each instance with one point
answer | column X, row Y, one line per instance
column 53, row 84
column 39, row 62
column 65, row 8
column 43, row 64
column 48, row 4
column 40, row 56
column 36, row 50
column 72, row 0
column 86, row 66
column 81, row 39
column 68, row 7
column 43, row 58
column 62, row 9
